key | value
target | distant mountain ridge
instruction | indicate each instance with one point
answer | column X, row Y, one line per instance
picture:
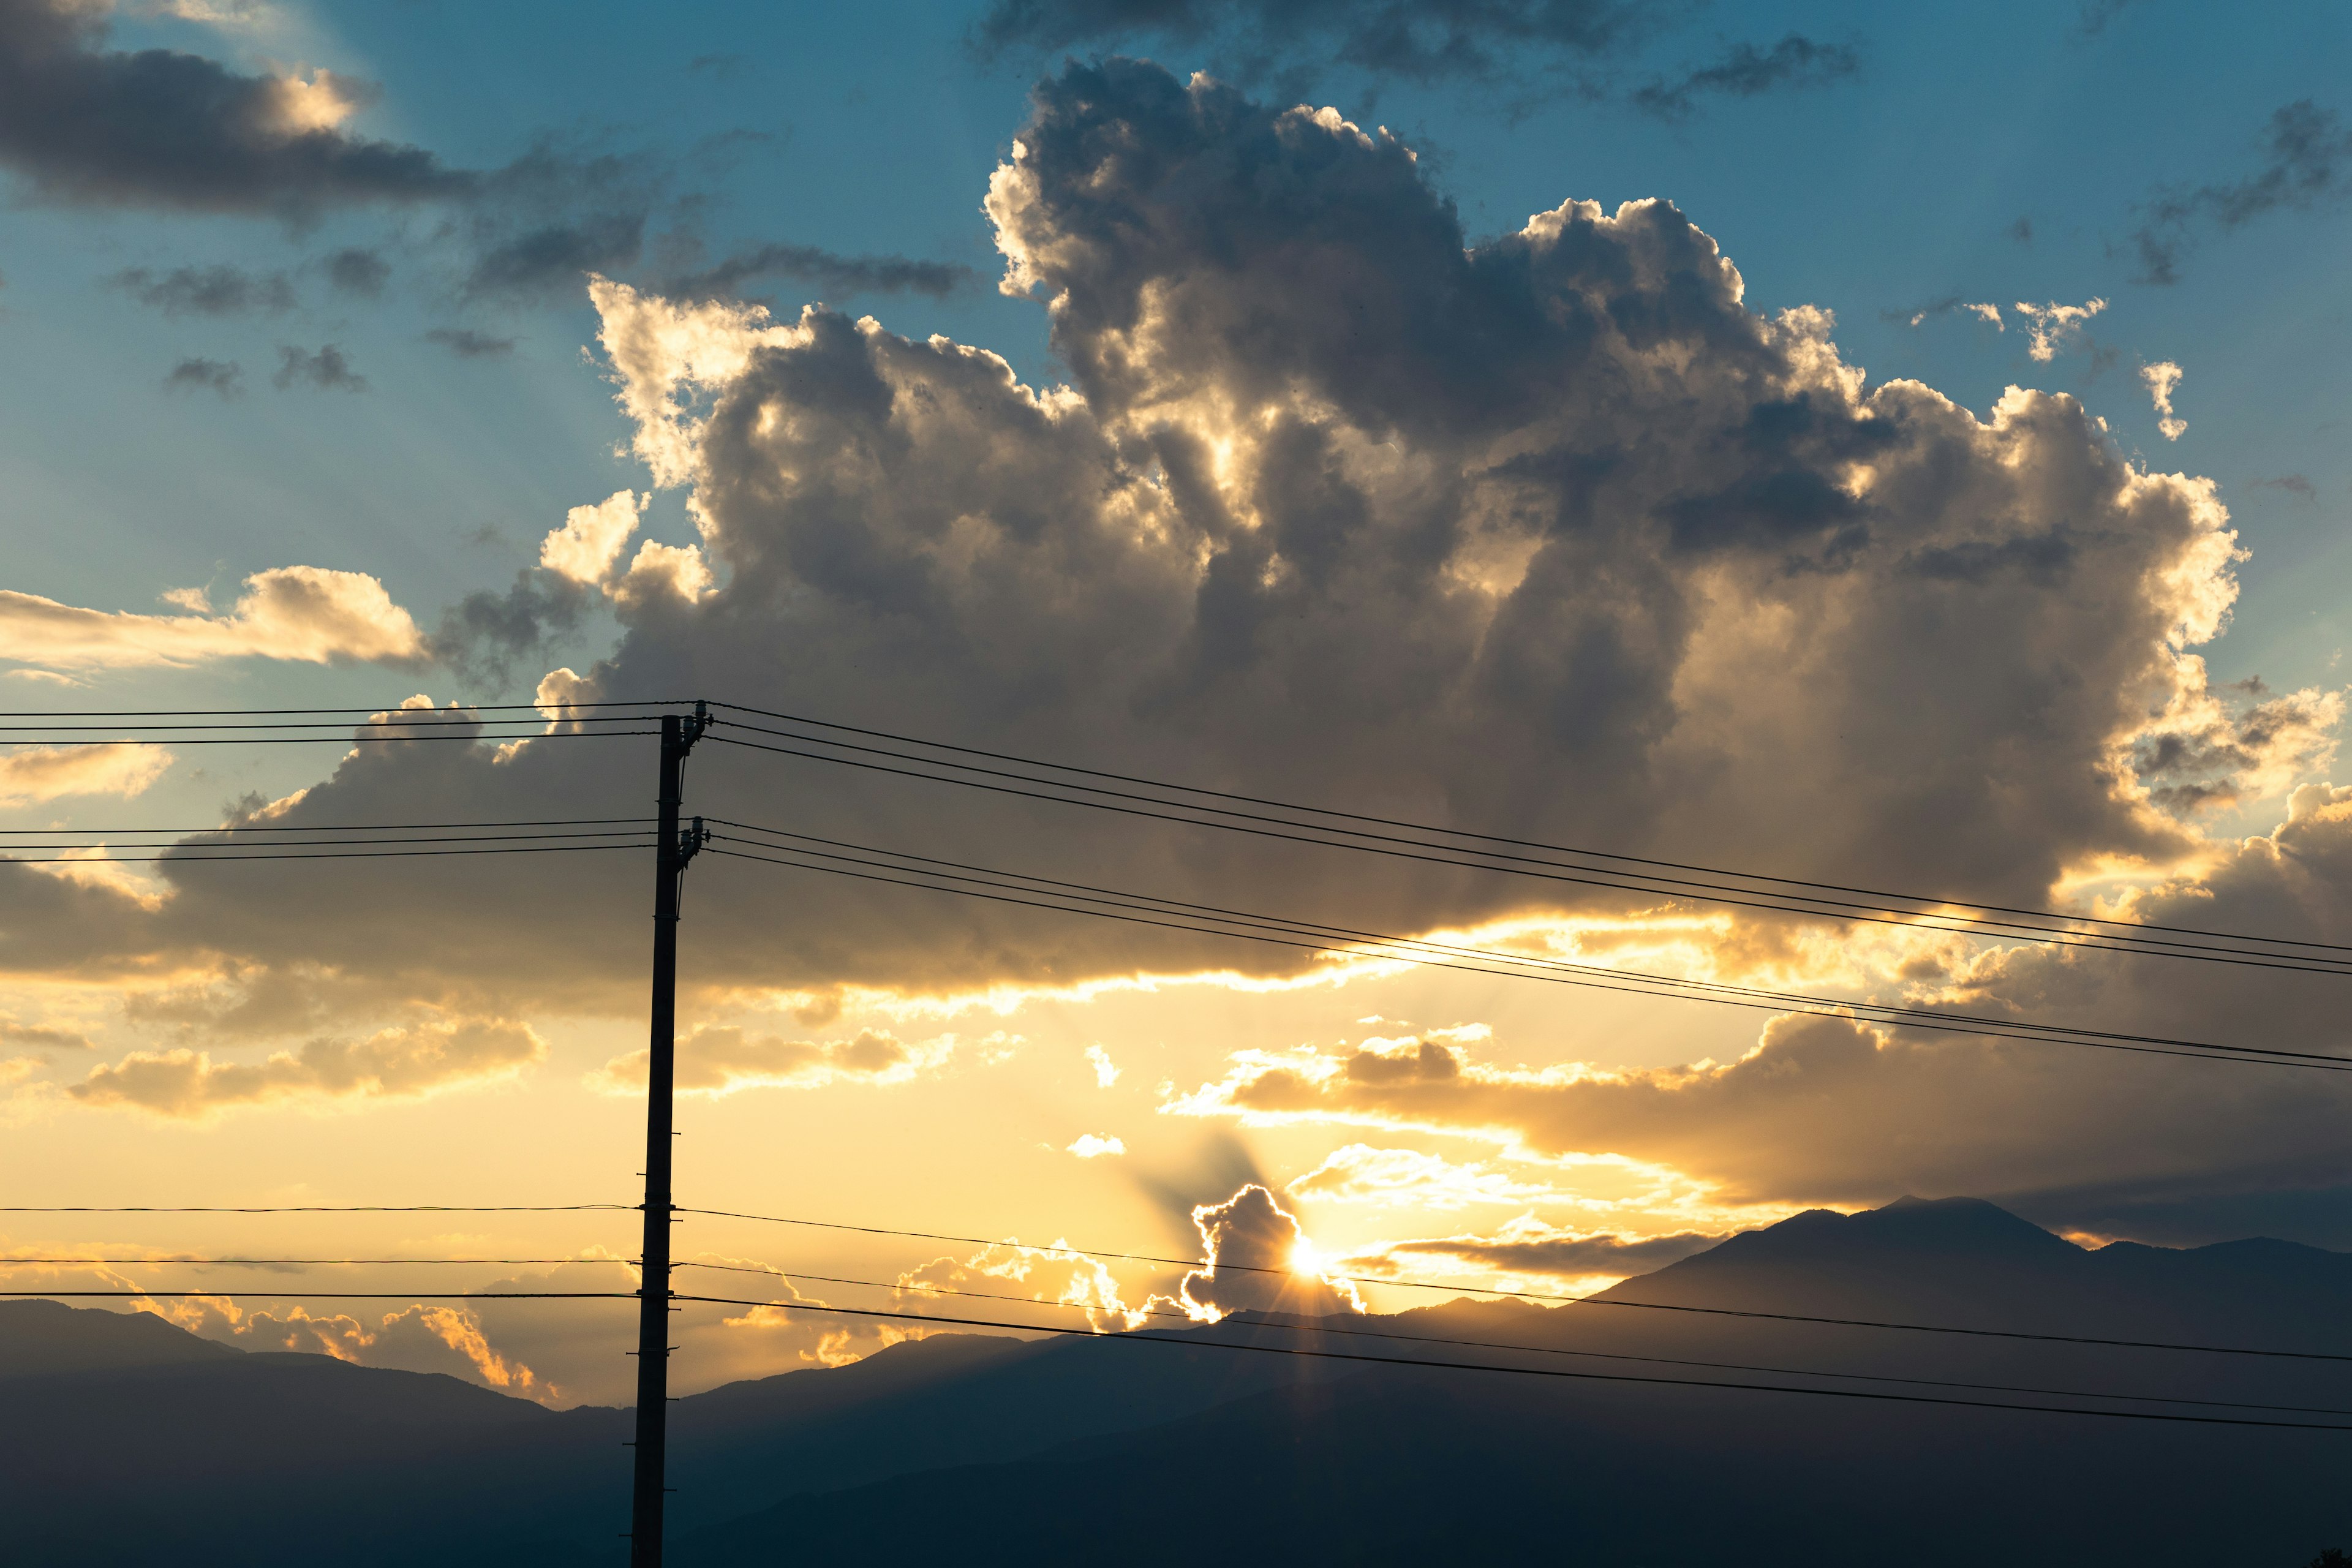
column 124, row 1439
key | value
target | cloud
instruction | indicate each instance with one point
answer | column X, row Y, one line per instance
column 2053, row 327
column 592, row 538
column 396, row 1063
column 428, row 1338
column 1528, row 1248
column 716, row 1059
column 224, row 378
column 1106, row 1070
column 1242, row 1239
column 216, row 291
column 32, row 773
column 838, row 276
column 83, row 124
column 358, row 271
column 1358, row 1172
column 1090, row 1147
column 1747, row 71
column 2160, row 379
column 306, row 614
column 1983, row 312
column 2308, row 164
column 325, row 370
column 466, row 343
column 43, row 1037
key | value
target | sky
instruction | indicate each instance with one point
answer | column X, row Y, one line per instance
column 1891, row 448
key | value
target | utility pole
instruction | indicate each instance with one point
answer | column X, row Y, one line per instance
column 672, row 849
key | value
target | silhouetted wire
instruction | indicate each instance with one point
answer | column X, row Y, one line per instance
column 188, row 859
column 1448, row 856
column 1521, row 1295
column 1019, row 882
column 198, row 847
column 1784, row 1002
column 1497, row 838
column 273, row 713
column 285, row 1262
column 331, row 1295
column 324, row 1209
column 412, row 718
column 332, row 739
column 615, row 822
column 1877, row 1395
column 1325, row 1326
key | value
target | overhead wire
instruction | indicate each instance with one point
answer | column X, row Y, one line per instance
column 1933, row 901
column 1191, row 1342
column 1627, row 982
column 1327, row 836
column 1460, row 1289
column 1326, row 1326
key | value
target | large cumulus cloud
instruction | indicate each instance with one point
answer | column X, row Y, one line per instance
column 1549, row 534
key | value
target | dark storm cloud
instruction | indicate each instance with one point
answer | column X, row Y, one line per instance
column 83, row 124
column 1747, row 71
column 2308, row 164
column 206, row 291
column 325, row 369
column 1423, row 40
column 467, row 344
column 838, row 276
column 224, row 378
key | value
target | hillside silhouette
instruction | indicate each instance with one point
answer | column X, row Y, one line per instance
column 124, row 1439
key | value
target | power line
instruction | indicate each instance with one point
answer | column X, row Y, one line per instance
column 328, row 1295
column 341, row 826
column 328, row 1209
column 333, row 740
column 192, row 847
column 1325, row 1326
column 1526, row 1295
column 1516, row 843
column 1448, row 854
column 1143, row 1337
column 267, row 712
column 1015, row 881
column 282, row 1262
column 184, row 859
column 1146, row 1337
column 1635, row 983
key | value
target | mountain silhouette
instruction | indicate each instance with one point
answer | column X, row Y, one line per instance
column 124, row 1439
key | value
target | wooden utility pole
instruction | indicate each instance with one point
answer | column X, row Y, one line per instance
column 672, row 849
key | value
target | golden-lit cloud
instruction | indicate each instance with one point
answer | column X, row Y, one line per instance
column 1527, row 1251
column 29, row 775
column 584, row 549
column 721, row 1060
column 396, row 1063
column 1090, row 1146
column 305, row 614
